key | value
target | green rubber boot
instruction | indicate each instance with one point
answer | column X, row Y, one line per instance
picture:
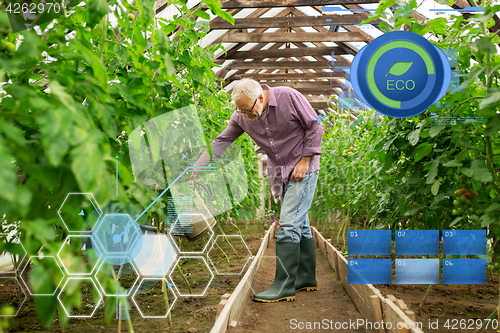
column 306, row 276
column 283, row 286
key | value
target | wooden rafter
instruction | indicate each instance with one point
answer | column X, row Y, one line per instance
column 257, row 64
column 327, row 36
column 280, row 22
column 290, row 76
column 289, row 3
column 287, row 52
column 285, row 72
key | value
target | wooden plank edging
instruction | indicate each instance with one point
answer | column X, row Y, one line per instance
column 362, row 294
column 234, row 306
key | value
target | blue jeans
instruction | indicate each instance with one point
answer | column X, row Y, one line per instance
column 296, row 201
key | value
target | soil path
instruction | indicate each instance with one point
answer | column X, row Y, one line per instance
column 328, row 306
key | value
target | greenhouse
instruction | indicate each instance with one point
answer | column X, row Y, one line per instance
column 250, row 166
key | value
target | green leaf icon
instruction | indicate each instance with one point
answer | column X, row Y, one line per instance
column 400, row 68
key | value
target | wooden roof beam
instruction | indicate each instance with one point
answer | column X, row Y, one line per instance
column 280, row 22
column 284, row 64
column 289, row 3
column 289, row 76
column 293, row 37
column 286, row 52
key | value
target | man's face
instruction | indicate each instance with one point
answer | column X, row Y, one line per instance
column 245, row 106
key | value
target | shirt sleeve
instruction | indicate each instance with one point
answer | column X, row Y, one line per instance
column 309, row 120
column 228, row 136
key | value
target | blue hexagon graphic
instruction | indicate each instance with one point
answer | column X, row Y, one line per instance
column 116, row 236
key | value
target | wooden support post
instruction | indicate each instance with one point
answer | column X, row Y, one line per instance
column 337, row 272
column 225, row 296
column 220, row 307
column 401, row 304
column 232, row 326
column 377, row 310
column 411, row 315
column 392, row 298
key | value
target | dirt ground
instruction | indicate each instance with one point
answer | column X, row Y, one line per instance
column 328, row 305
column 188, row 313
column 455, row 308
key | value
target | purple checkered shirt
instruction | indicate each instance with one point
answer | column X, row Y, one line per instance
column 289, row 131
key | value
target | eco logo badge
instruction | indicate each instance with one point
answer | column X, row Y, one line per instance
column 400, row 74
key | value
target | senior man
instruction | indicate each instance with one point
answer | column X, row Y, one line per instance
column 283, row 123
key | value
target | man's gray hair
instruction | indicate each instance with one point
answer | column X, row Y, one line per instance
column 247, row 87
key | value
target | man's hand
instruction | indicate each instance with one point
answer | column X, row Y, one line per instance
column 191, row 178
column 300, row 169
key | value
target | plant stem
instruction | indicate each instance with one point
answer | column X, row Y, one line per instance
column 491, row 316
column 165, row 296
column 425, row 296
column 227, row 258
column 227, row 240
column 130, row 327
column 185, row 279
column 59, row 317
column 103, row 36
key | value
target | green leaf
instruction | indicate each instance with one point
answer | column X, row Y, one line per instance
column 433, row 171
column 439, row 197
column 46, row 308
column 14, row 134
column 215, row 7
column 374, row 120
column 86, row 174
column 8, row 177
column 423, row 150
column 456, row 220
column 414, row 136
column 399, row 68
column 452, row 163
column 493, row 207
column 202, row 25
column 169, row 65
column 435, row 130
column 384, row 27
column 202, row 14
column 42, row 230
column 96, row 10
column 484, row 44
column 52, row 124
column 40, row 280
column 121, row 54
column 413, row 210
column 465, row 144
column 491, row 97
column 435, row 187
column 478, row 171
column 486, row 220
column 493, row 125
column 146, row 11
column 98, row 70
column 58, row 91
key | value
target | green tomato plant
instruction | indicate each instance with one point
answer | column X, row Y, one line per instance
column 73, row 91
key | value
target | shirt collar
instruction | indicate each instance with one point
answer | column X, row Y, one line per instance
column 272, row 96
